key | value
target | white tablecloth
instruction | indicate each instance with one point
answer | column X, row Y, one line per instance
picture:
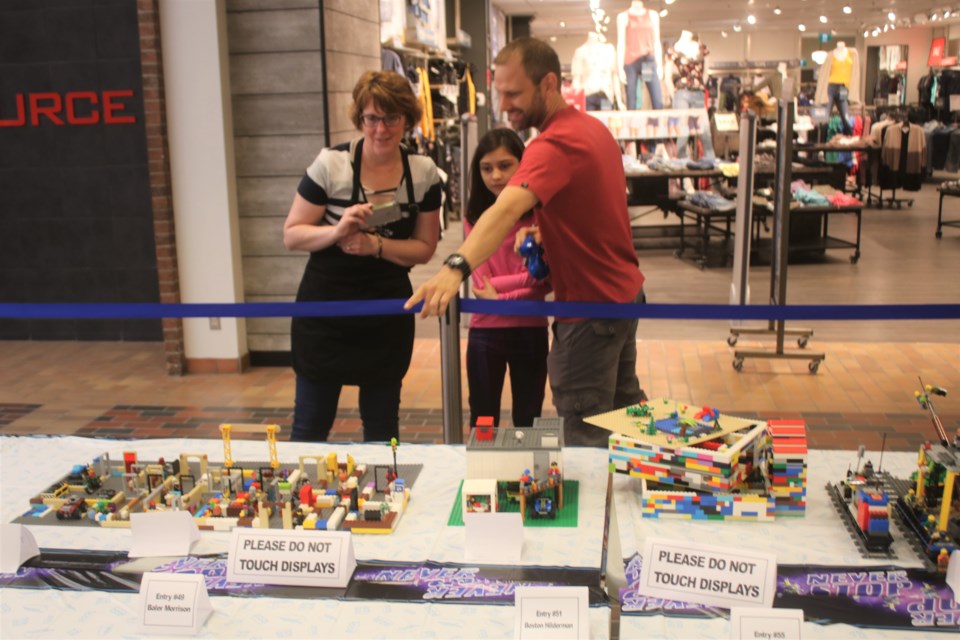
column 30, row 465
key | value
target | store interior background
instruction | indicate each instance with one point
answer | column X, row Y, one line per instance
column 253, row 67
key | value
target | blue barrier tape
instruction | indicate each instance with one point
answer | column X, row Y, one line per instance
column 511, row 308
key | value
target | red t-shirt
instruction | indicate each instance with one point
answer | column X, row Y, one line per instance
column 575, row 170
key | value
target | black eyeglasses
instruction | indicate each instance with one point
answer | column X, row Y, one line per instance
column 390, row 120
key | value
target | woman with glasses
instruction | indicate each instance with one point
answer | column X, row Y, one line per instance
column 366, row 211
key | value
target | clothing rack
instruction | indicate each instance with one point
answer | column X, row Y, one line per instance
column 780, row 249
column 900, row 120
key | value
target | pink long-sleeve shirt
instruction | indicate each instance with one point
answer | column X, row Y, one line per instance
column 509, row 276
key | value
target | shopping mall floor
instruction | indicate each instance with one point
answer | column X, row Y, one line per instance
column 864, row 387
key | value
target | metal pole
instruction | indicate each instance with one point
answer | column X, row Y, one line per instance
column 740, row 288
column 450, row 373
column 781, row 248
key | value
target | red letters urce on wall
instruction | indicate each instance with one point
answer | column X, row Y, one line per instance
column 71, row 108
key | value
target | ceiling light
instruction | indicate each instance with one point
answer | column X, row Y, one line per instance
column 802, row 27
column 891, row 16
column 669, row 1
column 737, row 28
column 663, row 13
column 553, row 38
column 752, row 19
column 866, row 34
column 847, row 9
column 886, row 27
column 723, row 34
column 823, row 19
column 819, row 56
column 777, row 11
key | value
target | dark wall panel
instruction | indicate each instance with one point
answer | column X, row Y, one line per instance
column 75, row 217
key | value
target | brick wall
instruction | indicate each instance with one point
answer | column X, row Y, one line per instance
column 161, row 199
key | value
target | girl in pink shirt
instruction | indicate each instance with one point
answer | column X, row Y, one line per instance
column 496, row 342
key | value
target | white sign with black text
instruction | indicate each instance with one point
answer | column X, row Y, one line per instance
column 766, row 624
column 557, row 613
column 704, row 574
column 18, row 546
column 162, row 533
column 173, row 604
column 300, row 558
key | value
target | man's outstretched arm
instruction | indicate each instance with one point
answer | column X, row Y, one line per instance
column 489, row 232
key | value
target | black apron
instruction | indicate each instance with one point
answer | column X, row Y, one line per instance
column 357, row 350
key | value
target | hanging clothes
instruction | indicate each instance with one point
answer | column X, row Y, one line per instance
column 903, row 157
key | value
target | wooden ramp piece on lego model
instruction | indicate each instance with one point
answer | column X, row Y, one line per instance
column 668, row 423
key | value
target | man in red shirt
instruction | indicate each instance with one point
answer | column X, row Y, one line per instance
column 572, row 176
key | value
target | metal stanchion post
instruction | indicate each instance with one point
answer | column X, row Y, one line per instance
column 450, row 373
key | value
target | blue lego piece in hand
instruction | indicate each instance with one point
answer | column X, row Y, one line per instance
column 532, row 254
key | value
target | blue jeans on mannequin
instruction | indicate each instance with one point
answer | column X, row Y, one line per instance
column 315, row 410
column 643, row 67
column 685, row 99
column 838, row 95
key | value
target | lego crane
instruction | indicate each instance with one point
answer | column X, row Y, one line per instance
column 270, row 429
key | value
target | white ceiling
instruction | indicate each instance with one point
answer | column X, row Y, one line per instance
column 714, row 15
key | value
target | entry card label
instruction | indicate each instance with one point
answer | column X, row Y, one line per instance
column 704, row 574
column 559, row 613
column 18, row 546
column 162, row 533
column 495, row 538
column 299, row 558
column 173, row 604
column 766, row 624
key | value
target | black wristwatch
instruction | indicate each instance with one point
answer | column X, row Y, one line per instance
column 458, row 262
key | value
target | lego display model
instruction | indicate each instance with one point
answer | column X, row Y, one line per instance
column 697, row 464
column 928, row 510
column 321, row 492
column 864, row 503
column 517, row 469
column 925, row 505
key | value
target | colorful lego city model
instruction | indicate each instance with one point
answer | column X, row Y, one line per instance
column 699, row 464
column 929, row 509
column 320, row 492
column 517, row 469
column 864, row 504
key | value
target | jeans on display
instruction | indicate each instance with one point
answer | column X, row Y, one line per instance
column 839, row 97
column 685, row 99
column 644, row 67
column 489, row 353
column 598, row 102
column 315, row 409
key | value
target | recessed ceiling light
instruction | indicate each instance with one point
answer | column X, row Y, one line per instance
column 866, row 33
column 669, row 1
column 823, row 19
column 777, row 11
column 891, row 16
column 737, row 28
column 752, row 19
column 802, row 27
column 723, row 34
column 563, row 25
column 886, row 27
column 552, row 38
column 663, row 13
column 847, row 9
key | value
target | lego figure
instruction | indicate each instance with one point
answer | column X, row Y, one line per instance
column 306, row 493
column 943, row 561
column 526, row 481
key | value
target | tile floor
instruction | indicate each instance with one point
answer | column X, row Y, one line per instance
column 864, row 388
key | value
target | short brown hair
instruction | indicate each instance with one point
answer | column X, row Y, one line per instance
column 538, row 58
column 389, row 91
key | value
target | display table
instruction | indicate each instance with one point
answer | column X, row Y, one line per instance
column 32, row 464
column 810, row 229
column 818, row 538
column 946, row 192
